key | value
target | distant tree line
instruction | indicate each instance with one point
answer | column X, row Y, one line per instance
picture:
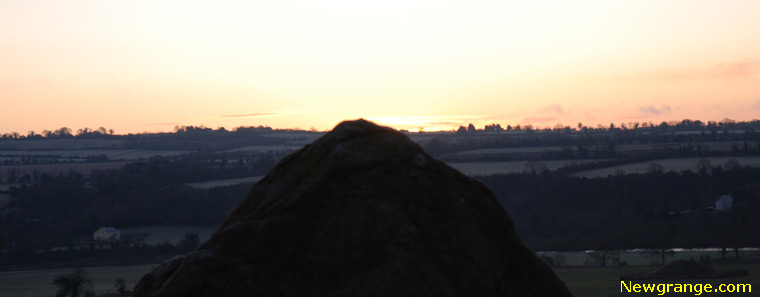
column 656, row 210
column 59, row 208
column 602, row 142
column 66, row 132
column 663, row 127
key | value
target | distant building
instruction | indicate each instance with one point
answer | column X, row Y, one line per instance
column 107, row 233
column 725, row 202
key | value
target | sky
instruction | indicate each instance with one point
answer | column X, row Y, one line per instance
column 147, row 66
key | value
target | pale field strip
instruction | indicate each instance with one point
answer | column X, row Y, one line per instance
column 636, row 257
column 116, row 154
column 712, row 145
column 468, row 168
column 60, row 144
column 224, row 182
column 674, row 164
column 54, row 169
column 263, row 148
column 173, row 234
column 490, row 168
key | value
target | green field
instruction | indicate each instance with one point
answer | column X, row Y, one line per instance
column 675, row 164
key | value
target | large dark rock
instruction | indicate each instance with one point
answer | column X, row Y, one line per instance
column 362, row 211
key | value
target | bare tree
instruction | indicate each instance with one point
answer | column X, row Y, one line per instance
column 75, row 284
column 703, row 166
column 603, row 258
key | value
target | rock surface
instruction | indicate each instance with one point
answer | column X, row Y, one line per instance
column 362, row 211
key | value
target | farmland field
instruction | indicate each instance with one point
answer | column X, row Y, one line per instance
column 605, row 282
column 58, row 144
column 582, row 281
column 224, row 182
column 264, row 148
column 713, row 145
column 507, row 151
column 636, row 258
column 54, row 169
column 676, row 164
column 39, row 282
column 488, row 168
column 115, row 154
column 160, row 234
column 297, row 138
column 4, row 199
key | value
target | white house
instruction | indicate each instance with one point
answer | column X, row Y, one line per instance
column 725, row 202
column 107, row 233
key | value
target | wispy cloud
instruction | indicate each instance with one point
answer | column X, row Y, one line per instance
column 536, row 120
column 161, row 124
column 429, row 123
column 270, row 114
column 554, row 108
column 651, row 110
column 757, row 104
column 722, row 71
column 251, row 115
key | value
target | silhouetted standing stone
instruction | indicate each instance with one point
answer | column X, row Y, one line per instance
column 362, row 211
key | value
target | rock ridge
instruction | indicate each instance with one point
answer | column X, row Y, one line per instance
column 361, row 211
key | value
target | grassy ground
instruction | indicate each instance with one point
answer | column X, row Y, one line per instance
column 39, row 283
column 605, row 282
column 582, row 281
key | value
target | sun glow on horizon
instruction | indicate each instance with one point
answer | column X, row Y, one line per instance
column 144, row 66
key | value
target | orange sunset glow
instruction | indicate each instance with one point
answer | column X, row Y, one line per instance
column 147, row 66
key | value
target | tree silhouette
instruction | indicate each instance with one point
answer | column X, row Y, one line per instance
column 190, row 241
column 121, row 285
column 75, row 284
